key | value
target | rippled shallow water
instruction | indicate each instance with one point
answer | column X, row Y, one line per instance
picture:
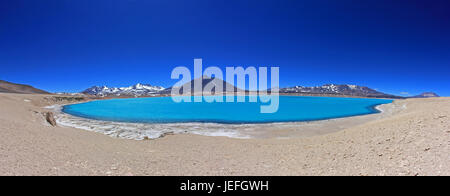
column 165, row 110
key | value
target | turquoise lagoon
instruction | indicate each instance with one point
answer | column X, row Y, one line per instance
column 165, row 110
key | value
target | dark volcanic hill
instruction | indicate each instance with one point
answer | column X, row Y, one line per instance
column 205, row 82
column 426, row 95
column 334, row 89
column 8, row 87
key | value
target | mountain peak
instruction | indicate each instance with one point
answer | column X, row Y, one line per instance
column 205, row 80
column 426, row 95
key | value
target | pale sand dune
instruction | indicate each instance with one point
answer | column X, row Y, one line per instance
column 413, row 141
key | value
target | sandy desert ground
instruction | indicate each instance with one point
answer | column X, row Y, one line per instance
column 414, row 141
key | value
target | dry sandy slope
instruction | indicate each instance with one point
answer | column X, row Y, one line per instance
column 415, row 141
column 9, row 87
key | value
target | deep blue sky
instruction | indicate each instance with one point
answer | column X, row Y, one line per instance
column 70, row 45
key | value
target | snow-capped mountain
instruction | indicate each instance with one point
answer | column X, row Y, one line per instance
column 345, row 89
column 426, row 95
column 135, row 90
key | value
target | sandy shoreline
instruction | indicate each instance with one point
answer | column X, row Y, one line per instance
column 414, row 140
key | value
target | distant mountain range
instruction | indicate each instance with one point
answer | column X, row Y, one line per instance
column 335, row 89
column 9, row 87
column 149, row 90
column 142, row 90
column 137, row 90
column 426, row 95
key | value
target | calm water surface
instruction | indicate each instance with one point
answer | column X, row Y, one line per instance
column 164, row 110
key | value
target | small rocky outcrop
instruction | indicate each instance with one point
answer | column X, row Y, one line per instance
column 50, row 118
